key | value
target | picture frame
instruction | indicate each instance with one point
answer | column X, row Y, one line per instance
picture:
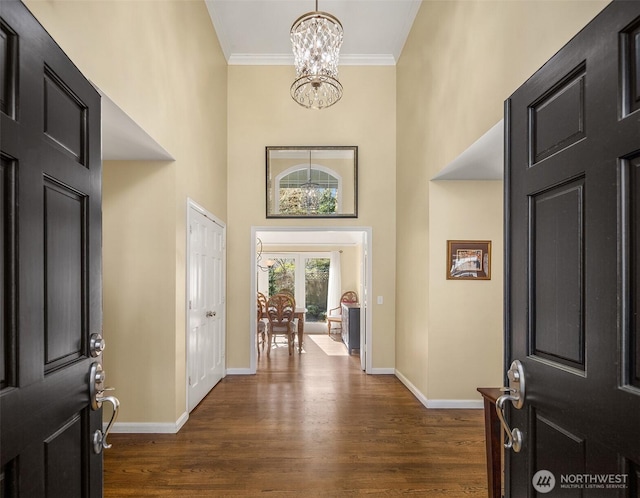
column 311, row 181
column 468, row 260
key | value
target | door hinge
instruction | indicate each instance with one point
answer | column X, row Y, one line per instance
column 189, row 379
column 189, row 303
column 190, row 229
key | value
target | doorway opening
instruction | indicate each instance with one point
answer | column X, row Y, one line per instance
column 300, row 260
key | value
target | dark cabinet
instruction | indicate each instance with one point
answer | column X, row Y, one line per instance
column 351, row 327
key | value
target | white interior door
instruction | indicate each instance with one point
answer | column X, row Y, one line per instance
column 206, row 306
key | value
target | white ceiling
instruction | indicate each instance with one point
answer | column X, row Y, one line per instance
column 256, row 32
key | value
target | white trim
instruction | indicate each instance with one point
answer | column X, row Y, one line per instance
column 287, row 59
column 414, row 390
column 191, row 204
column 456, row 404
column 439, row 403
column 239, row 371
column 149, row 427
column 383, row 371
column 404, row 33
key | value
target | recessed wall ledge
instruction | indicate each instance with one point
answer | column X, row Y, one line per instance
column 123, row 139
column 483, row 160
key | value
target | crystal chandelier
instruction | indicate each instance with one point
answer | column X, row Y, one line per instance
column 316, row 38
column 310, row 197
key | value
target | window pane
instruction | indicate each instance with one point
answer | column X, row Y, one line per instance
column 282, row 276
column 316, row 278
column 307, row 191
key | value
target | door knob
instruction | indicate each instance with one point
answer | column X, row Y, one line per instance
column 514, row 393
column 210, row 314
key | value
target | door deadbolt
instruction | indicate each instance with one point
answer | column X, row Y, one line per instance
column 96, row 345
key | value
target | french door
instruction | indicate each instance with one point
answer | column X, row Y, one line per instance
column 305, row 275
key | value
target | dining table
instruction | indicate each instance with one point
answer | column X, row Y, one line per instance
column 299, row 314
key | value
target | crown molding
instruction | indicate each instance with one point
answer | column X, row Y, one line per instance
column 287, row 60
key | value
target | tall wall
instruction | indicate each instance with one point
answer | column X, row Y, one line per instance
column 162, row 64
column 262, row 113
column 461, row 61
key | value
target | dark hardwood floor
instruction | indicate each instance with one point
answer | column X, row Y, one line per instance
column 306, row 425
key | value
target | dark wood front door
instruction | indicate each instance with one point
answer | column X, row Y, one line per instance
column 573, row 264
column 50, row 215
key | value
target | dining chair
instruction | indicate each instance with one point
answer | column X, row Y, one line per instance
column 281, row 312
column 261, row 314
column 334, row 315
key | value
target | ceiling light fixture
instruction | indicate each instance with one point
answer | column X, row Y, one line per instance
column 316, row 38
column 311, row 198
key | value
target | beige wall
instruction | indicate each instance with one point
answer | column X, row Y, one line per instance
column 460, row 62
column 465, row 316
column 161, row 63
column 262, row 113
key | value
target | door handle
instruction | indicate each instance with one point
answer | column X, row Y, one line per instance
column 99, row 437
column 209, row 314
column 96, row 393
column 514, row 393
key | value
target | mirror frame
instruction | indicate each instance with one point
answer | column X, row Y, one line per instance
column 292, row 150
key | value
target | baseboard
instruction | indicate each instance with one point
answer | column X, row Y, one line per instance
column 414, row 390
column 149, row 427
column 239, row 371
column 458, row 404
column 383, row 371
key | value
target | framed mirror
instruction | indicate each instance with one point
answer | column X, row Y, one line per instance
column 312, row 182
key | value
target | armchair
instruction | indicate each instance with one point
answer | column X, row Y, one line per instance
column 334, row 315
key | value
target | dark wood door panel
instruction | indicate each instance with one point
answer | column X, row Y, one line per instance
column 8, row 338
column 630, row 269
column 630, row 42
column 64, row 272
column 65, row 117
column 8, row 69
column 557, row 118
column 572, row 250
column 51, row 224
column 557, row 231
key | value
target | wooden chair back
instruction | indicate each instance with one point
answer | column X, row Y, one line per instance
column 334, row 315
column 261, row 330
column 281, row 313
column 262, row 305
column 350, row 297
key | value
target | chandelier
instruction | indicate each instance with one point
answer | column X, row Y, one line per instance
column 316, row 38
column 310, row 197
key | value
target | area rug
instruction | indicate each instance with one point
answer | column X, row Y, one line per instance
column 330, row 346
